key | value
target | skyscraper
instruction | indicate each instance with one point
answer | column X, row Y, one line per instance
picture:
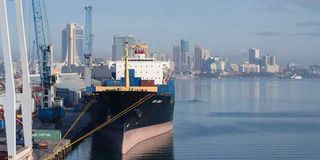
column 190, row 63
column 118, row 47
column 199, row 55
column 269, row 65
column 265, row 60
column 72, row 44
column 254, row 56
column 268, row 60
column 184, row 46
column 272, row 60
column 197, row 58
column 205, row 53
column 131, row 41
column 176, row 57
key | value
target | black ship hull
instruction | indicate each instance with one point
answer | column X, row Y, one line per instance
column 151, row 118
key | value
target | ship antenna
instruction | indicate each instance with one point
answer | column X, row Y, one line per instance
column 126, row 69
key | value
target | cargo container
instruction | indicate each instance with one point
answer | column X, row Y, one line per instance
column 51, row 114
column 43, row 134
column 167, row 89
column 108, row 83
column 91, row 89
column 133, row 81
column 147, row 82
column 131, row 73
column 112, row 83
column 2, row 124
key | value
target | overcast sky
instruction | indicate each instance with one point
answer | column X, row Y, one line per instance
column 289, row 29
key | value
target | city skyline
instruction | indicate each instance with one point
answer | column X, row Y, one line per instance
column 287, row 29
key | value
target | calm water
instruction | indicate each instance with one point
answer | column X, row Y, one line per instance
column 235, row 119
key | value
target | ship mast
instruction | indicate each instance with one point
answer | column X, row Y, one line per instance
column 126, row 69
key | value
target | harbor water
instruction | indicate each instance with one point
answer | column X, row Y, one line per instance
column 240, row 119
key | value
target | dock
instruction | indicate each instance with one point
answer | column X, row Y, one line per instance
column 53, row 151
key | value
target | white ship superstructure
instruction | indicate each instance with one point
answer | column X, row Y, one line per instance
column 146, row 68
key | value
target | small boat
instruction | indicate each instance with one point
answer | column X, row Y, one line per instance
column 296, row 77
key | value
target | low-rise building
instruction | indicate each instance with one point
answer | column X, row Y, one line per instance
column 215, row 64
column 272, row 68
column 249, row 68
column 234, row 67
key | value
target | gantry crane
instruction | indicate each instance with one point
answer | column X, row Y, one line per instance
column 51, row 108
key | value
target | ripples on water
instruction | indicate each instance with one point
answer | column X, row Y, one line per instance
column 234, row 119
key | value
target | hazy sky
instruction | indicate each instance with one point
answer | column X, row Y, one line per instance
column 289, row 29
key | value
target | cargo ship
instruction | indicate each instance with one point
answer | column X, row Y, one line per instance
column 138, row 80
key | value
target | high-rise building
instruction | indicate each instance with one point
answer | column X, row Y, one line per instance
column 265, row 60
column 269, row 65
column 268, row 60
column 184, row 46
column 160, row 56
column 72, row 44
column 206, row 53
column 131, row 41
column 190, row 63
column 199, row 55
column 118, row 47
column 272, row 60
column 176, row 57
column 254, row 56
column 197, row 58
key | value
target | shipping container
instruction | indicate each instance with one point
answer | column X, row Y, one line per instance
column 107, row 83
column 112, row 83
column 90, row 89
column 133, row 81
column 147, row 82
column 131, row 73
column 171, row 87
column 2, row 124
column 167, row 89
column 44, row 134
column 51, row 114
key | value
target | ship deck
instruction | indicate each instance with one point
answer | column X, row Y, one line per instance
column 123, row 88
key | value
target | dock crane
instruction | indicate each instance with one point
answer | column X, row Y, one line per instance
column 51, row 109
column 88, row 45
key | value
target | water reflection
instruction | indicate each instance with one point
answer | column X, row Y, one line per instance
column 243, row 119
column 154, row 148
